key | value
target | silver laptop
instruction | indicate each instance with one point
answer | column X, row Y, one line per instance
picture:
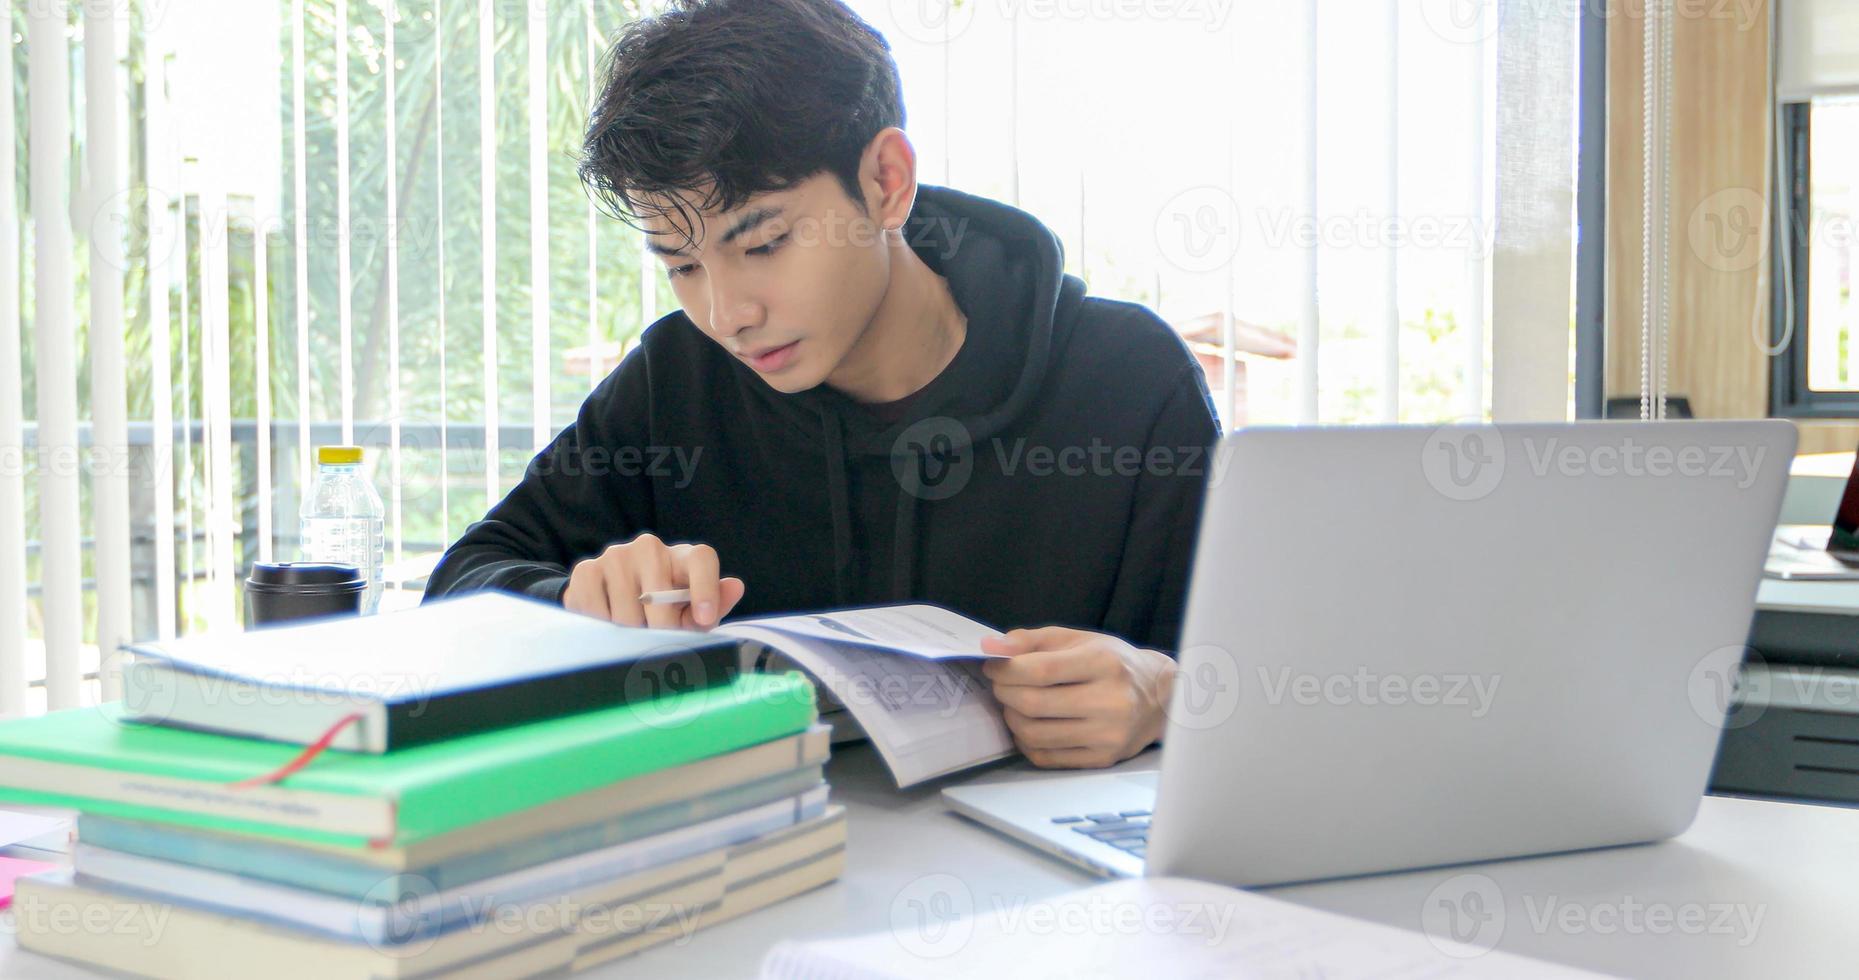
column 1411, row 647
column 1820, row 552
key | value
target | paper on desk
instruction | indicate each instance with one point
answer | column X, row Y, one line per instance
column 1143, row 927
column 16, row 827
column 919, row 630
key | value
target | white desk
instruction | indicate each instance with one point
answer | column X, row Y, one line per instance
column 1825, row 598
column 1794, row 866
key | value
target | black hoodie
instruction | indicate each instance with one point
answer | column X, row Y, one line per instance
column 1052, row 474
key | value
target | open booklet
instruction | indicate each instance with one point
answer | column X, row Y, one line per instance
column 909, row 675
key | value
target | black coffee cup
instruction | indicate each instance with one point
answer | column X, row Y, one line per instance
column 285, row 591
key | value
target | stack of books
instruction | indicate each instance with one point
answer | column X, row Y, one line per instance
column 462, row 824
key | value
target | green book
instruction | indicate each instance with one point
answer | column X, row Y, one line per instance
column 91, row 759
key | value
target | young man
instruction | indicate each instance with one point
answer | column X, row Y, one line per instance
column 875, row 392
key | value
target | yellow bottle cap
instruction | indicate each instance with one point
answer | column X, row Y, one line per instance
column 338, row 455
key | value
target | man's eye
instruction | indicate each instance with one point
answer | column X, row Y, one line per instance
column 679, row 271
column 768, row 249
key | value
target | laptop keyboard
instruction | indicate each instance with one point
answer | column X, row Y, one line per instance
column 1126, row 830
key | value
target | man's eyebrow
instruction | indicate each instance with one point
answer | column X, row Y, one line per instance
column 749, row 222
column 652, row 245
column 745, row 224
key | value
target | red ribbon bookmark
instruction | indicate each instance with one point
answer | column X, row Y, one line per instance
column 303, row 758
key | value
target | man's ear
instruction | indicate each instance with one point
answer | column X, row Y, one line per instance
column 888, row 177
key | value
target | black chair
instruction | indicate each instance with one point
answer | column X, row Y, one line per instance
column 1676, row 407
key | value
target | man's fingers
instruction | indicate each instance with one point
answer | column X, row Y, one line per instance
column 1043, row 668
column 696, row 564
column 1023, row 641
column 733, row 590
column 1041, row 733
column 1059, row 701
column 729, row 592
column 622, row 588
column 656, row 574
column 587, row 592
column 1072, row 758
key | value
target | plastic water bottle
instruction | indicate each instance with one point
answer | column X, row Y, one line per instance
column 342, row 519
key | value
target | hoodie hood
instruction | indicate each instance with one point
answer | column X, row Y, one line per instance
column 1005, row 271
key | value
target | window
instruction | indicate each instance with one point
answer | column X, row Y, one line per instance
column 358, row 221
column 1817, row 320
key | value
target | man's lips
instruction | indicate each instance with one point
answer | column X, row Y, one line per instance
column 770, row 359
column 764, row 352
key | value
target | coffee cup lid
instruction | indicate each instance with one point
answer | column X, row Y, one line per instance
column 305, row 574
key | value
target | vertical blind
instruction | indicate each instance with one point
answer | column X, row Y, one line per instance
column 319, row 222
column 1364, row 188
column 358, row 221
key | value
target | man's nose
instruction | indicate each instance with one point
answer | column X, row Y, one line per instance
column 732, row 309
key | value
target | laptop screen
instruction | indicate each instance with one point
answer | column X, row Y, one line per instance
column 1845, row 536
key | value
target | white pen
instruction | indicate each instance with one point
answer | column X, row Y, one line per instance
column 669, row 597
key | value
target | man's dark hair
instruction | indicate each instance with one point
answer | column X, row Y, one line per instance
column 727, row 99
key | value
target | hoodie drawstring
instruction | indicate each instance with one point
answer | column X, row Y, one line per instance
column 904, row 544
column 836, row 496
column 903, row 548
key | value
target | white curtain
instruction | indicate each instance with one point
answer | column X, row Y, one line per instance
column 1385, row 184
column 1531, row 294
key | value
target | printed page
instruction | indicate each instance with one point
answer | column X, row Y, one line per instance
column 1154, row 927
column 920, row 630
column 928, row 716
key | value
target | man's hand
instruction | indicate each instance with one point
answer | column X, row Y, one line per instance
column 1078, row 699
column 608, row 586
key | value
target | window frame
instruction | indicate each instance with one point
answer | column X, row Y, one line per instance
column 1591, row 217
column 1790, row 395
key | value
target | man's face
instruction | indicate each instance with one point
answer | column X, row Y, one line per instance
column 787, row 282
